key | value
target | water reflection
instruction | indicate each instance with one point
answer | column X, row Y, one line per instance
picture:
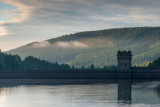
column 146, row 91
column 124, row 90
column 122, row 93
column 157, row 91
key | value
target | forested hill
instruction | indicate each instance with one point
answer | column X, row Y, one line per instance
column 97, row 47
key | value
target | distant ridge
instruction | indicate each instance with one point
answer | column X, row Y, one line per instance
column 97, row 47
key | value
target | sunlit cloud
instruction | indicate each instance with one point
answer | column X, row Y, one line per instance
column 12, row 16
column 37, row 20
column 20, row 14
column 3, row 31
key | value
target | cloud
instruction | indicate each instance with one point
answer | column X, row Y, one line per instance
column 22, row 13
column 3, row 31
column 82, row 13
column 66, row 11
column 42, row 44
column 71, row 44
column 38, row 20
column 12, row 16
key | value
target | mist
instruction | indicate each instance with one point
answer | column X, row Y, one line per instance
column 71, row 44
column 42, row 44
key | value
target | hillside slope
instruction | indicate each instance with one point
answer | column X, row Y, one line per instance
column 97, row 47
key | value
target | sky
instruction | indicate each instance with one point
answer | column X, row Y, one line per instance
column 25, row 21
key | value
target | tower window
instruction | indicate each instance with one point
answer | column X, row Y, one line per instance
column 125, row 64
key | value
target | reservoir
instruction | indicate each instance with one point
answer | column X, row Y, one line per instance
column 94, row 93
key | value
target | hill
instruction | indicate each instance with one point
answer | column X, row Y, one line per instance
column 97, row 47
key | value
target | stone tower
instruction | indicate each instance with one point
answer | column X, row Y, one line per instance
column 124, row 60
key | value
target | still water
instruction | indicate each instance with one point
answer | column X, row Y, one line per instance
column 123, row 93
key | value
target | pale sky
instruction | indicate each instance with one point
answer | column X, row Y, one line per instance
column 25, row 21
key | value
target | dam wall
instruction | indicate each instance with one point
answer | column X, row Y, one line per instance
column 60, row 75
column 80, row 75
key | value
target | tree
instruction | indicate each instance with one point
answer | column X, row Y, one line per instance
column 92, row 67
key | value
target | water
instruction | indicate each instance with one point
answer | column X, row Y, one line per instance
column 20, row 93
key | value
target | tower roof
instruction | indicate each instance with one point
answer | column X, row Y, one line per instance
column 124, row 53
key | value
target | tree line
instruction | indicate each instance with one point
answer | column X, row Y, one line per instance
column 155, row 63
column 10, row 62
column 14, row 62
